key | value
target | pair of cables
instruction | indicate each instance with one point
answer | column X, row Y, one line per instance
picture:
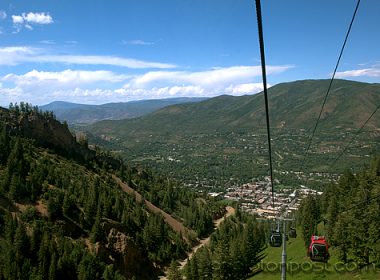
column 262, row 54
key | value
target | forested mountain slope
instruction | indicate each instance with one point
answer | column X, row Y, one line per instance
column 292, row 105
column 64, row 216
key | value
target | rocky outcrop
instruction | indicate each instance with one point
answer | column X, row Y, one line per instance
column 120, row 250
column 51, row 133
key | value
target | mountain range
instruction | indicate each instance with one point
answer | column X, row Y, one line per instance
column 75, row 113
column 291, row 105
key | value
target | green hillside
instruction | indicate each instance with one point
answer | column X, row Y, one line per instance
column 224, row 137
column 68, row 212
column 292, row 105
column 300, row 267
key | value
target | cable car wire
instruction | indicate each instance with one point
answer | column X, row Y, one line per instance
column 330, row 84
column 262, row 54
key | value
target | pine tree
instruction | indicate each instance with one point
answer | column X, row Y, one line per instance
column 204, row 264
column 173, row 273
column 21, row 241
column 92, row 201
column 15, row 188
column 44, row 256
column 15, row 175
column 221, row 261
column 341, row 236
column 35, row 239
column 96, row 231
column 4, row 144
column 238, row 261
column 53, row 267
column 331, row 215
column 309, row 218
column 88, row 268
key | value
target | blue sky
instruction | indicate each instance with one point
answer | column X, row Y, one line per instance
column 99, row 51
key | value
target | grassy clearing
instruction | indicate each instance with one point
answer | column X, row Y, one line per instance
column 300, row 267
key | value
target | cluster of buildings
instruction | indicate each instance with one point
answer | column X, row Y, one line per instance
column 257, row 198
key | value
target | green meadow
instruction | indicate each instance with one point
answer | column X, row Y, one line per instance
column 300, row 267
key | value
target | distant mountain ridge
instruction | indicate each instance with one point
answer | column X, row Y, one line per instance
column 75, row 113
column 292, row 105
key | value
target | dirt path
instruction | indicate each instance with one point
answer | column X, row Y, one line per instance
column 230, row 211
column 173, row 223
column 203, row 242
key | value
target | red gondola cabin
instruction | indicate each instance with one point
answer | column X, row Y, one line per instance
column 318, row 249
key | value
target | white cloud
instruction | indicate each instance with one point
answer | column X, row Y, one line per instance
column 138, row 42
column 41, row 87
column 24, row 54
column 161, row 92
column 37, row 18
column 38, row 87
column 101, row 60
column 32, row 18
column 215, row 77
column 17, row 19
column 8, row 95
column 67, row 77
column 28, row 19
column 28, row 26
column 242, row 89
column 3, row 15
column 15, row 55
column 368, row 72
column 230, row 80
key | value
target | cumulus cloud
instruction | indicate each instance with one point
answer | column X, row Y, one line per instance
column 24, row 54
column 234, row 80
column 242, row 89
column 39, row 87
column 368, row 72
column 37, row 18
column 17, row 19
column 28, row 19
column 32, row 18
column 131, row 93
column 102, row 86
